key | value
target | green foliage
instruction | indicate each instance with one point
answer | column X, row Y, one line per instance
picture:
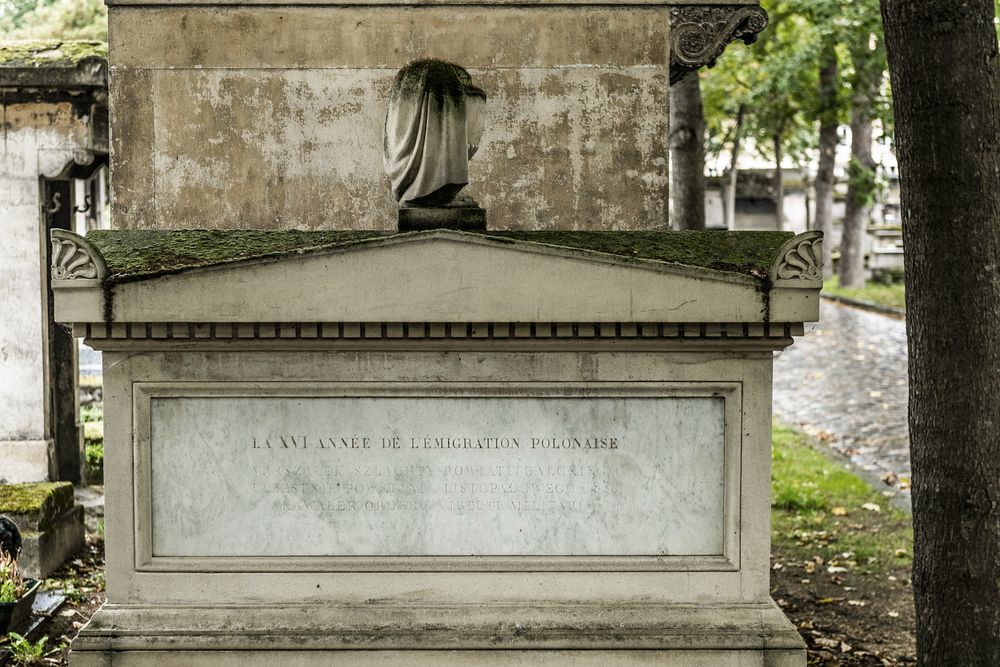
column 776, row 81
column 54, row 19
column 24, row 653
column 12, row 585
column 92, row 413
column 863, row 181
column 95, row 455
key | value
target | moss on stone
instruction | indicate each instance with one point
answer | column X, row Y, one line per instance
column 34, row 506
column 134, row 254
column 749, row 253
column 131, row 255
column 50, row 53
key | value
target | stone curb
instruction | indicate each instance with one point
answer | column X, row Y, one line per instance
column 891, row 311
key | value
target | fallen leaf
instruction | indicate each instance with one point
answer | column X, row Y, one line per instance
column 892, row 614
column 871, row 507
column 899, row 553
column 845, row 647
column 857, row 603
column 839, row 511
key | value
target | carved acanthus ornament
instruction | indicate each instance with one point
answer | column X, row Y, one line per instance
column 800, row 261
column 73, row 258
column 699, row 34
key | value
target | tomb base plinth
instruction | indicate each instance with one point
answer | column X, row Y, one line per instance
column 495, row 634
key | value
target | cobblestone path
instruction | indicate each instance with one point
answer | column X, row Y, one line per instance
column 845, row 382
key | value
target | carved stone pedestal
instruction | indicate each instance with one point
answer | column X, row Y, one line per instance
column 438, row 448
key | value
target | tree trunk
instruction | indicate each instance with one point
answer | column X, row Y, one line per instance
column 945, row 69
column 733, row 173
column 859, row 193
column 828, row 140
column 779, row 184
column 687, row 153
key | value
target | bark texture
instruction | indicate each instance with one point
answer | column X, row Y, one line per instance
column 733, row 173
column 779, row 185
column 687, row 154
column 828, row 140
column 861, row 173
column 945, row 69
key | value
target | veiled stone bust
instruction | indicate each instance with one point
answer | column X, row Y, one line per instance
column 433, row 127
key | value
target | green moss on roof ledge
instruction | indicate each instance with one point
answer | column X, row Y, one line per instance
column 50, row 53
column 132, row 255
column 34, row 506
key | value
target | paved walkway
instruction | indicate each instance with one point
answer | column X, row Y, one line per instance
column 845, row 382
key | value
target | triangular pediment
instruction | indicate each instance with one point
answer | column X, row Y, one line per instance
column 439, row 276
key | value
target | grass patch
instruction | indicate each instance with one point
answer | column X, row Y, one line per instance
column 893, row 295
column 92, row 417
column 820, row 508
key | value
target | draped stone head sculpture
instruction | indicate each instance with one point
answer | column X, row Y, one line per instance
column 433, row 127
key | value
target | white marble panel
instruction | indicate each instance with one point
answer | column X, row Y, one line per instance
column 437, row 476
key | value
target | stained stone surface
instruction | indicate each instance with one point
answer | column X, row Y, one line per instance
column 412, row 475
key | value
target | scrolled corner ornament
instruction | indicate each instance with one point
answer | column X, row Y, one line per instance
column 73, row 258
column 800, row 262
column 699, row 34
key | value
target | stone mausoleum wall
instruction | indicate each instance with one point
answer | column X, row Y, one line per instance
column 242, row 116
column 47, row 92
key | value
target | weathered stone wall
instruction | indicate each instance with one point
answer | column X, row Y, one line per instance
column 38, row 138
column 272, row 117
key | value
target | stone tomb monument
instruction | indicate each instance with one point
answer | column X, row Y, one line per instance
column 438, row 448
column 363, row 447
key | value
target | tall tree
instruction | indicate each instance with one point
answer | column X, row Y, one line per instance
column 945, row 72
column 734, row 172
column 867, row 55
column 828, row 114
column 687, row 153
column 860, row 193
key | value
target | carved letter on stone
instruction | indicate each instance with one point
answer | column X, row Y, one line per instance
column 800, row 261
column 73, row 258
column 699, row 35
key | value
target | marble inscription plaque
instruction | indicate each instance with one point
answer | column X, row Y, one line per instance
column 437, row 476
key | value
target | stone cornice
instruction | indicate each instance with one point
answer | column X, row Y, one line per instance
column 442, row 277
column 700, row 33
